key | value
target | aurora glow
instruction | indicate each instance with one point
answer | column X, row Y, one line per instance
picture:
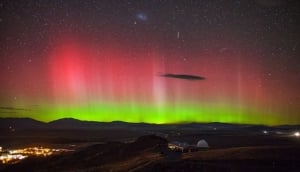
column 103, row 73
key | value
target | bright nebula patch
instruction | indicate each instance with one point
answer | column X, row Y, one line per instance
column 142, row 16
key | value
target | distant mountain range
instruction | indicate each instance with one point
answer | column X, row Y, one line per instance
column 71, row 123
column 64, row 123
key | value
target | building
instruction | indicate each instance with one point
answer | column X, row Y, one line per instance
column 185, row 147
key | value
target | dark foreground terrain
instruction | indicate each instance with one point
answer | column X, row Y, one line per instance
column 150, row 153
column 124, row 147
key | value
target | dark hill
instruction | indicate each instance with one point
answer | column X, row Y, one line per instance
column 144, row 155
column 71, row 123
column 96, row 156
column 20, row 123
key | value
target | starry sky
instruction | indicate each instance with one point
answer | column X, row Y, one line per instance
column 138, row 61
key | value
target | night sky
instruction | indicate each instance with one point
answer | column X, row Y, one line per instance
column 234, row 61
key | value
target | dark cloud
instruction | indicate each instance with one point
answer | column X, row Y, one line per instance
column 183, row 76
column 14, row 109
